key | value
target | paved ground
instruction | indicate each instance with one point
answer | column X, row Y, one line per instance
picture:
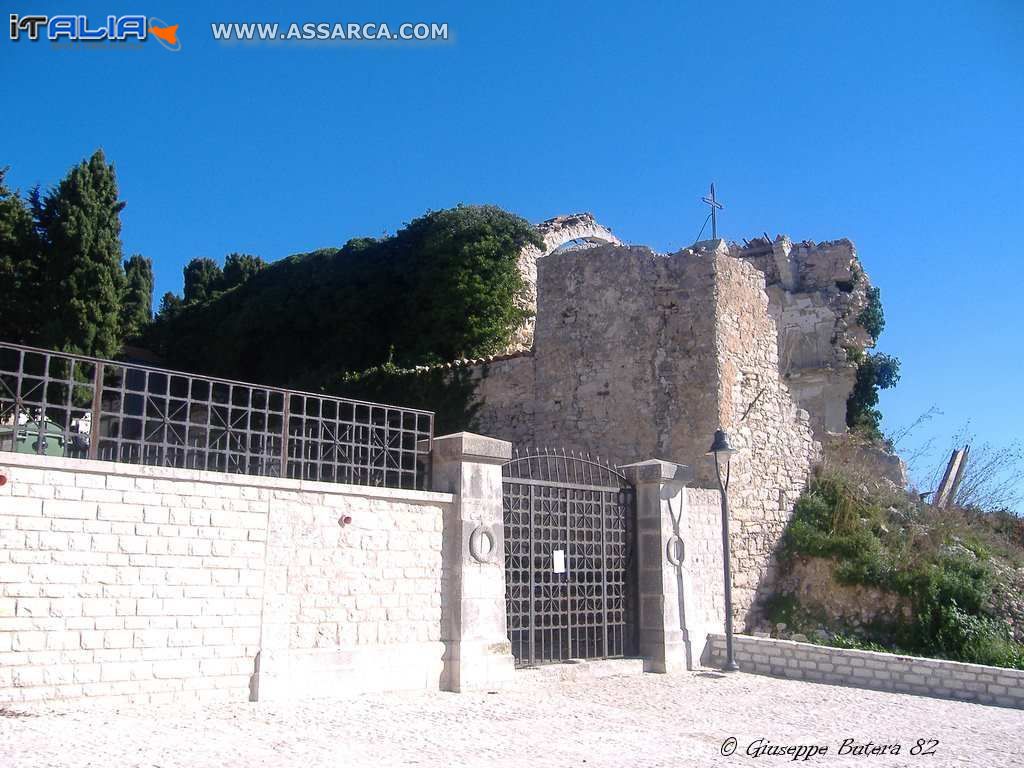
column 647, row 720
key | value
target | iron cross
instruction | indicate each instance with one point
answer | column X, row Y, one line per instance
column 715, row 207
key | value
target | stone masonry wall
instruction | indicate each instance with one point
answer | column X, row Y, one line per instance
column 555, row 233
column 774, row 438
column 165, row 584
column 508, row 389
column 638, row 355
column 867, row 669
column 816, row 292
column 601, row 376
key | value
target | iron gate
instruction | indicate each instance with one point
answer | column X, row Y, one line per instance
column 569, row 529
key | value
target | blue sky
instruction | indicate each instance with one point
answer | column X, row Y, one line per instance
column 898, row 125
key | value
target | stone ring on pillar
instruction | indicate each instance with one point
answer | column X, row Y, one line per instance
column 674, row 550
column 482, row 544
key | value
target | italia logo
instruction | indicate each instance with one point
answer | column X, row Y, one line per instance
column 166, row 34
column 79, row 28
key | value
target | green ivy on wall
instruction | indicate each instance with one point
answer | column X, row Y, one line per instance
column 444, row 287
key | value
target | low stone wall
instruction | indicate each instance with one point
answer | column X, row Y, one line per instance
column 867, row 669
column 166, row 584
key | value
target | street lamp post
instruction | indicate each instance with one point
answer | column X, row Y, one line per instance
column 722, row 452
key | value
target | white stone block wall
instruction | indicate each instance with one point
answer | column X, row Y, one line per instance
column 160, row 584
column 867, row 669
column 704, row 582
column 356, row 607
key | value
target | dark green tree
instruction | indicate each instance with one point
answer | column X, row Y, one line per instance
column 170, row 305
column 239, row 267
column 446, row 285
column 872, row 317
column 20, row 275
column 875, row 371
column 203, row 280
column 467, row 280
column 137, row 302
column 83, row 279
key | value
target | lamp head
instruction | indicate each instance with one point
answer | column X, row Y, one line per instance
column 720, row 447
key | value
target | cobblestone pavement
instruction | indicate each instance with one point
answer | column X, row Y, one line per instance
column 643, row 720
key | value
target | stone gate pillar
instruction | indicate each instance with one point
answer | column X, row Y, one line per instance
column 478, row 655
column 665, row 633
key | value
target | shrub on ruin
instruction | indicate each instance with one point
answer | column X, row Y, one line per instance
column 872, row 317
column 875, row 371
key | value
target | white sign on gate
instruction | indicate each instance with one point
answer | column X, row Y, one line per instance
column 558, row 560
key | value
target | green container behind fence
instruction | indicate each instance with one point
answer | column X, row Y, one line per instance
column 26, row 438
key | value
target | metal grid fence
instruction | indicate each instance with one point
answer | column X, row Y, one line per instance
column 59, row 404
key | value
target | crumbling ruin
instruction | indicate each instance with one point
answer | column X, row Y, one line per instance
column 816, row 292
column 559, row 232
column 634, row 353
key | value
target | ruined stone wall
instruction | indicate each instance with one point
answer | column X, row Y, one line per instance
column 816, row 292
column 508, row 388
column 555, row 232
column 774, row 437
column 638, row 355
column 620, row 333
column 812, row 580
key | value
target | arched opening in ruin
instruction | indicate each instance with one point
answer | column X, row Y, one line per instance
column 580, row 243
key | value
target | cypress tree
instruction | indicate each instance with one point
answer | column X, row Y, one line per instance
column 239, row 267
column 83, row 277
column 20, row 276
column 203, row 280
column 137, row 302
column 170, row 306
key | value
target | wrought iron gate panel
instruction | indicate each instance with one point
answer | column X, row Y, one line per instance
column 557, row 502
